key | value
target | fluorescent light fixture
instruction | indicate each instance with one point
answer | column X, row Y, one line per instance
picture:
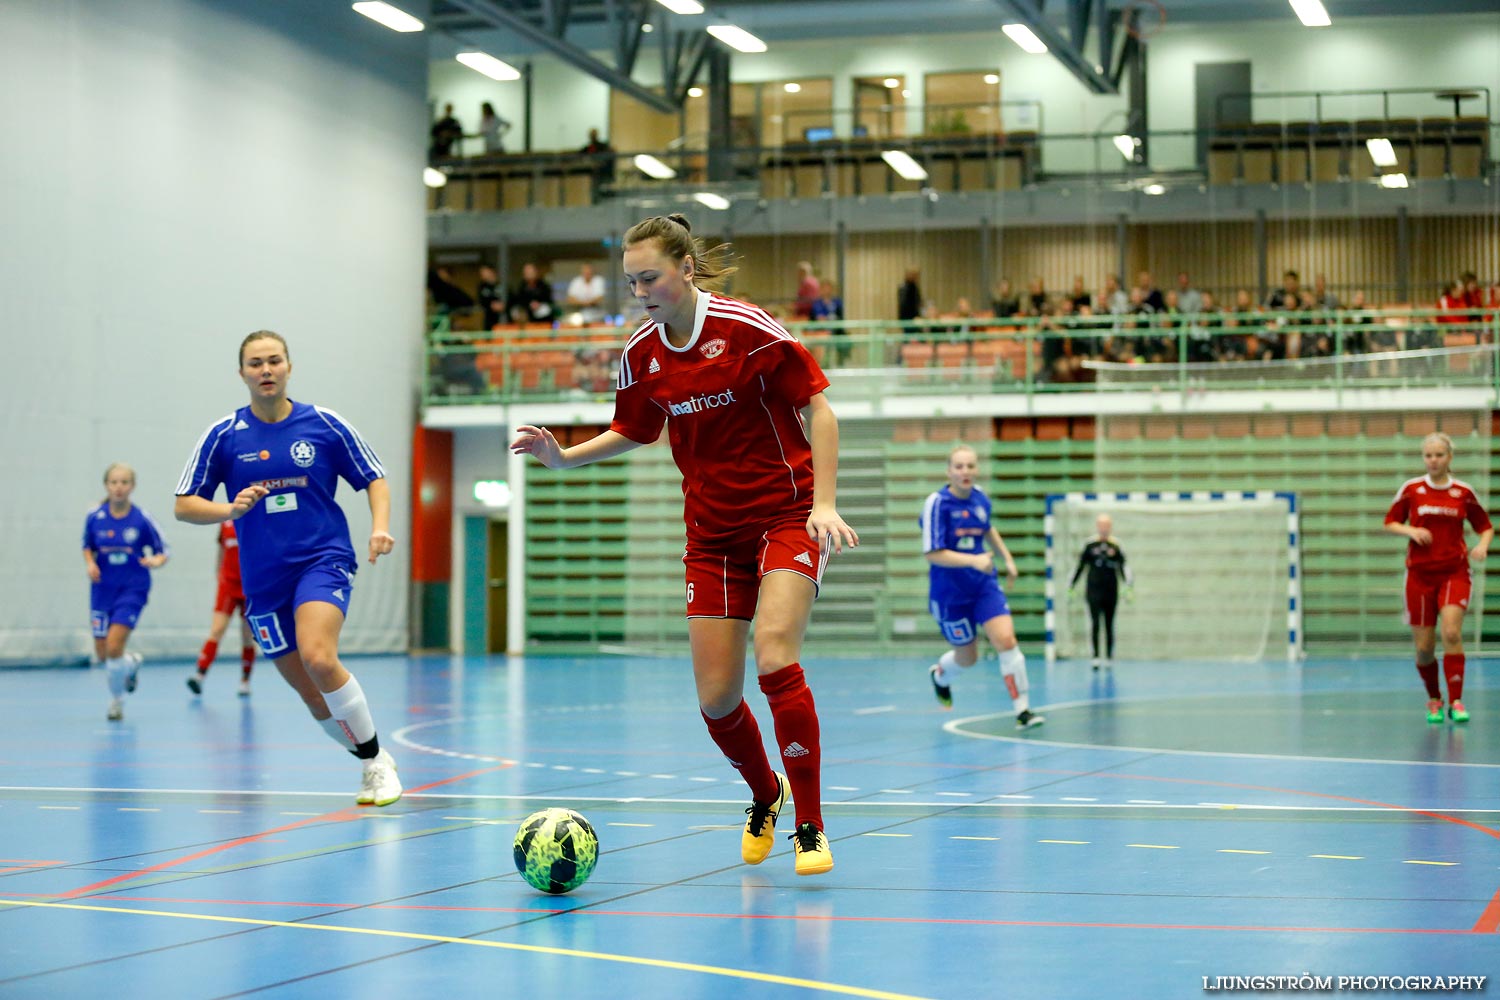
column 736, row 38
column 708, row 199
column 1126, row 145
column 492, row 492
column 483, row 62
column 647, row 27
column 1311, row 13
column 1381, row 152
column 905, row 93
column 396, row 20
column 1155, row 189
column 901, row 162
column 891, row 83
column 652, row 167
column 792, row 88
column 992, row 78
column 695, row 91
column 1024, row 37
column 1393, row 180
column 433, row 178
column 682, row 6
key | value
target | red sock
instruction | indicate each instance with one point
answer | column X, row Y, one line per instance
column 1453, row 669
column 796, row 719
column 206, row 657
column 247, row 660
column 738, row 737
column 1429, row 672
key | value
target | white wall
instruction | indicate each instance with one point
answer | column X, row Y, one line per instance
column 173, row 175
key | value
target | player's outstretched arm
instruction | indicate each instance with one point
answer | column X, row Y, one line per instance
column 824, row 522
column 381, row 539
column 539, row 442
column 196, row 510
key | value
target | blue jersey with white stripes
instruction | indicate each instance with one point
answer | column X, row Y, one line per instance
column 300, row 460
column 960, row 525
column 118, row 543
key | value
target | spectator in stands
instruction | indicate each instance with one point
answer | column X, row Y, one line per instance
column 604, row 160
column 1189, row 299
column 1036, row 298
column 807, row 291
column 1201, row 326
column 445, row 132
column 1287, row 298
column 492, row 128
column 1007, row 303
column 1080, row 296
column 1240, row 318
column 1113, row 299
column 531, row 300
column 1359, row 333
column 1150, row 292
column 830, row 307
column 909, row 300
column 963, row 309
column 586, row 295
column 446, row 296
column 491, row 296
column 1322, row 299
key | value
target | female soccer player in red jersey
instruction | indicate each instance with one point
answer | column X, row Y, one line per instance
column 1431, row 510
column 229, row 599
column 757, row 443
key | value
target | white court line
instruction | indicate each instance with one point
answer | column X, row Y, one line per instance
column 955, row 726
column 876, row 710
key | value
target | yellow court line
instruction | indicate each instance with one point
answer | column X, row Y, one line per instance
column 659, row 963
column 1155, row 847
column 1062, row 841
column 1234, row 850
column 1443, row 864
column 1338, row 857
column 974, row 838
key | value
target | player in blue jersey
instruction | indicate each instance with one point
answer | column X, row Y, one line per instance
column 121, row 546
column 963, row 594
column 280, row 462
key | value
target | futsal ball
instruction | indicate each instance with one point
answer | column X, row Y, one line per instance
column 555, row 850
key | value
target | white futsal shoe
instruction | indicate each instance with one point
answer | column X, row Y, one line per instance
column 380, row 786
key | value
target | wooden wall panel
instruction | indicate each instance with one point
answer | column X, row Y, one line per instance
column 1054, row 254
column 1354, row 254
column 1443, row 247
column 1219, row 257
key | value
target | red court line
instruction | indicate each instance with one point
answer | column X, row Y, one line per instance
column 338, row 816
column 582, row 911
column 1489, row 920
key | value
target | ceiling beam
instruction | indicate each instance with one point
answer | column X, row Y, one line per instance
column 567, row 51
column 1068, row 51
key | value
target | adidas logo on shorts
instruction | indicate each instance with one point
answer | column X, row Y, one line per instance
column 803, row 558
column 794, row 749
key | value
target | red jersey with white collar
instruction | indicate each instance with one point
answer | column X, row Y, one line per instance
column 730, row 400
column 229, row 556
column 1442, row 510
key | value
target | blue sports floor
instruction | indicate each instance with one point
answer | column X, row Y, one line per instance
column 1169, row 822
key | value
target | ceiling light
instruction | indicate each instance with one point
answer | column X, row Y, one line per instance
column 647, row 27
column 992, row 78
column 1126, row 145
column 891, row 83
column 1024, row 37
column 483, row 62
column 736, row 38
column 682, row 6
column 433, row 178
column 652, row 167
column 1393, row 180
column 1381, row 152
column 792, row 88
column 901, row 162
column 1155, row 189
column 1311, row 13
column 708, row 199
column 396, row 20
column 695, row 91
column 905, row 93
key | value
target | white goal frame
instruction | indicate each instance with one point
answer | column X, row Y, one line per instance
column 1294, row 647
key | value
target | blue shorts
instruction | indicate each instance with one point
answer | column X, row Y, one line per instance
column 115, row 607
column 272, row 617
column 961, row 618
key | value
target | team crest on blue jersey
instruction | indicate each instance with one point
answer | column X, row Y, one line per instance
column 131, row 534
column 303, row 453
column 713, row 348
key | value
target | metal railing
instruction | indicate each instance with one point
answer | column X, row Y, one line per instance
column 872, row 359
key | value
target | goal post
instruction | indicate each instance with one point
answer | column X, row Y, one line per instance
column 1216, row 575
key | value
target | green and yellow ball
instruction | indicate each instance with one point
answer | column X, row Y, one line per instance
column 556, row 850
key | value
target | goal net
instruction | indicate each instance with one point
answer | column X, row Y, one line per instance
column 1215, row 575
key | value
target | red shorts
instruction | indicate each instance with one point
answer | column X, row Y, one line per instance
column 723, row 577
column 1428, row 591
column 228, row 599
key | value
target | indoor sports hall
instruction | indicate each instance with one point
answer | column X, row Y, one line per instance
column 1206, row 294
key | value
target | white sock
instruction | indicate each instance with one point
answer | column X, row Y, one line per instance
column 948, row 668
column 1013, row 669
column 349, row 707
column 336, row 729
column 118, row 668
